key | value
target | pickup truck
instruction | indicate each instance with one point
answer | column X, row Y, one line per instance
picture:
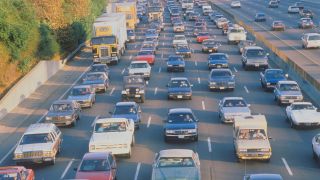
column 303, row 114
column 270, row 77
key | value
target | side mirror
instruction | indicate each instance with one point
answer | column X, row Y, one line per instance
column 286, row 75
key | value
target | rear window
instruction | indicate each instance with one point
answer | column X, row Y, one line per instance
column 312, row 38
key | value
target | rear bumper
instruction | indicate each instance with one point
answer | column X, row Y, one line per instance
column 37, row 160
column 180, row 96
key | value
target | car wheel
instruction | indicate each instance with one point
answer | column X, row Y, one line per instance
column 279, row 102
column 267, row 160
column 292, row 125
column 275, row 98
column 190, row 98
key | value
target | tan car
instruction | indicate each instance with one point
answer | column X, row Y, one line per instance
column 178, row 27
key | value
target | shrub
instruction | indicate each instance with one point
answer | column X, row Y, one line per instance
column 48, row 45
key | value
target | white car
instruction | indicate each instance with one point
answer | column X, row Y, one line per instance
column 206, row 10
column 229, row 107
column 316, row 146
column 179, row 39
column 221, row 21
column 235, row 4
column 311, row 40
column 303, row 114
column 115, row 135
column 236, row 34
column 293, row 9
column 140, row 68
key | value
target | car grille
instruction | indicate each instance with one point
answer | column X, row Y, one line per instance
column 32, row 154
column 138, row 73
column 110, row 146
column 58, row 118
column 222, row 83
column 133, row 91
column 290, row 97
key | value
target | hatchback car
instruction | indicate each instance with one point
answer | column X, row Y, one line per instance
column 229, row 107
column 175, row 63
column 152, row 33
column 260, row 17
column 129, row 110
column 218, row 60
column 179, row 88
column 221, row 79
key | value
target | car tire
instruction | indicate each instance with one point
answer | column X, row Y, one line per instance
column 190, row 98
column 267, row 160
column 292, row 125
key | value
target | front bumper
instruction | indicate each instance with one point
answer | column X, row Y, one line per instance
column 85, row 103
column 179, row 95
column 289, row 101
column 62, row 122
column 181, row 137
column 255, row 156
column 257, row 65
column 221, row 86
column 105, row 60
column 113, row 150
column 175, row 68
column 210, row 50
column 217, row 66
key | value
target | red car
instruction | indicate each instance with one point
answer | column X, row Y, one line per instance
column 16, row 172
column 97, row 166
column 202, row 36
column 146, row 56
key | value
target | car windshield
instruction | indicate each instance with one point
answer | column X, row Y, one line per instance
column 61, row 107
column 147, row 45
column 302, row 106
column 289, row 87
column 218, row 57
column 145, row 53
column 306, row 20
column 255, row 53
column 181, row 118
column 167, row 162
column 278, row 23
column 89, row 165
column 110, row 127
column 9, row 176
column 274, row 74
column 234, row 103
column 179, row 84
column 98, row 68
column 80, row 91
column 312, row 38
column 175, row 58
column 181, row 47
column 130, row 109
column 179, row 38
column 35, row 138
column 235, row 30
column 220, row 74
column 139, row 65
column 252, row 134
column 133, row 80
column 260, row 15
column 208, row 43
column 92, row 77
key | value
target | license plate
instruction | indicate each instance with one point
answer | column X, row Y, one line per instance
column 257, row 65
column 180, row 136
column 219, row 66
column 222, row 87
column 138, row 95
column 179, row 96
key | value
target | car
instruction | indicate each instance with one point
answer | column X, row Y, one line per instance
column 183, row 50
column 293, row 10
column 218, row 60
column 221, row 79
column 278, row 26
column 229, row 107
column 254, row 57
column 64, row 113
column 193, row 16
column 179, row 88
column 131, row 35
column 197, row 29
column 148, row 46
column 140, row 68
column 306, row 13
column 245, row 43
column 133, row 88
column 152, row 33
column 270, row 77
column 97, row 165
column 115, row 135
column 260, row 17
column 299, row 4
column 100, row 68
column 130, row 110
column 310, row 40
column 262, row 177
column 303, row 114
column 175, row 63
column 316, row 147
column 179, row 39
column 146, row 56
column 287, row 92
column 16, row 173
column 210, row 46
column 181, row 124
column 206, row 10
column 221, row 21
column 215, row 17
column 40, row 143
column 178, row 27
column 235, row 4
column 201, row 36
column 273, row 4
column 176, row 164
column 84, row 95
column 98, row 80
column 305, row 23
column 236, row 34
column 151, row 40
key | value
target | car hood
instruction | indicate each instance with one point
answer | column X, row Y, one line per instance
column 172, row 126
column 80, row 98
column 221, row 79
column 253, row 144
column 96, row 175
column 185, row 173
column 257, row 58
column 211, row 61
column 134, row 117
column 34, row 147
column 175, row 63
column 61, row 113
column 307, row 116
column 110, row 137
column 237, row 111
column 183, row 50
column 93, row 82
column 188, row 89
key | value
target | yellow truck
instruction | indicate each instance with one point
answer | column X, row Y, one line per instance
column 129, row 8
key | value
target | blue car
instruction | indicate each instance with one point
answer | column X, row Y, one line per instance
column 217, row 60
column 221, row 79
column 175, row 63
column 129, row 110
column 270, row 77
column 179, row 88
column 181, row 124
column 152, row 33
column 260, row 17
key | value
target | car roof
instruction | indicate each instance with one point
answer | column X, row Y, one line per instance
column 96, row 155
column 253, row 47
column 217, row 54
column 179, row 110
column 265, row 177
column 179, row 35
column 125, row 103
column 98, row 65
column 233, row 98
column 297, row 103
column 103, row 120
column 176, row 153
column 40, row 128
column 178, row 78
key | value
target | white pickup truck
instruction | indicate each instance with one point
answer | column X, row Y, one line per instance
column 303, row 114
column 140, row 68
column 115, row 135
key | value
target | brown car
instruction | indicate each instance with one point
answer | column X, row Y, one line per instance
column 16, row 172
column 278, row 26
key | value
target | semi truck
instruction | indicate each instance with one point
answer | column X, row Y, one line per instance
column 109, row 38
column 129, row 8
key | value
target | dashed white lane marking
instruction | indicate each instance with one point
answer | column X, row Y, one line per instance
column 67, row 169
column 199, row 81
column 123, row 70
column 94, row 121
column 287, row 166
column 235, row 69
column 195, row 63
column 159, row 70
column 245, row 88
column 137, row 171
column 209, row 144
column 149, row 121
column 203, row 105
column 112, row 90
column 155, row 90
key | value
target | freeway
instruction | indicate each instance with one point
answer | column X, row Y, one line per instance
column 289, row 41
column 292, row 155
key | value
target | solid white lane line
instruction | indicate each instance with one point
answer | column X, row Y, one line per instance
column 196, row 63
column 9, row 153
column 209, row 144
column 112, row 90
column 149, row 121
column 287, row 166
column 203, row 105
column 199, row 81
column 155, row 90
column 94, row 121
column 159, row 70
column 123, row 70
column 235, row 69
column 245, row 88
column 137, row 171
column 67, row 169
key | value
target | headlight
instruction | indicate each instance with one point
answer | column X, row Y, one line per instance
column 68, row 117
column 48, row 118
column 192, row 130
column 265, row 149
column 137, row 89
column 123, row 92
column 18, row 155
column 268, row 84
column 242, row 150
column 170, row 131
column 47, row 153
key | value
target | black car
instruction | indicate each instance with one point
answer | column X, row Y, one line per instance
column 133, row 88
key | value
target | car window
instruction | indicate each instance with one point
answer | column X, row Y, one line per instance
column 110, row 127
column 94, row 76
column 302, row 106
column 221, row 74
column 313, row 38
column 252, row 134
column 255, row 53
column 130, row 109
column 10, row 176
column 234, row 103
column 36, row 138
column 180, row 118
column 61, row 107
column 89, row 165
column 179, row 83
column 176, row 162
column 289, row 87
column 80, row 91
column 274, row 74
column 218, row 57
column 138, row 65
column 57, row 130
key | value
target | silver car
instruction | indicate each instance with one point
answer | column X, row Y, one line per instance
column 85, row 95
column 176, row 164
column 229, row 107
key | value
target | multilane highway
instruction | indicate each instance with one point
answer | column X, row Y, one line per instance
column 292, row 155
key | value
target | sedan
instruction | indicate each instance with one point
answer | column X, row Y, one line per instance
column 148, row 46
column 305, row 23
column 97, row 165
column 146, row 56
column 97, row 80
column 179, row 88
column 303, row 114
column 176, row 164
column 175, row 63
column 278, row 26
column 100, row 68
column 221, row 79
column 140, row 68
column 260, row 17
column 210, row 45
column 183, row 50
column 310, row 40
column 217, row 60
column 229, row 107
column 85, row 95
column 202, row 36
column 235, row 4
